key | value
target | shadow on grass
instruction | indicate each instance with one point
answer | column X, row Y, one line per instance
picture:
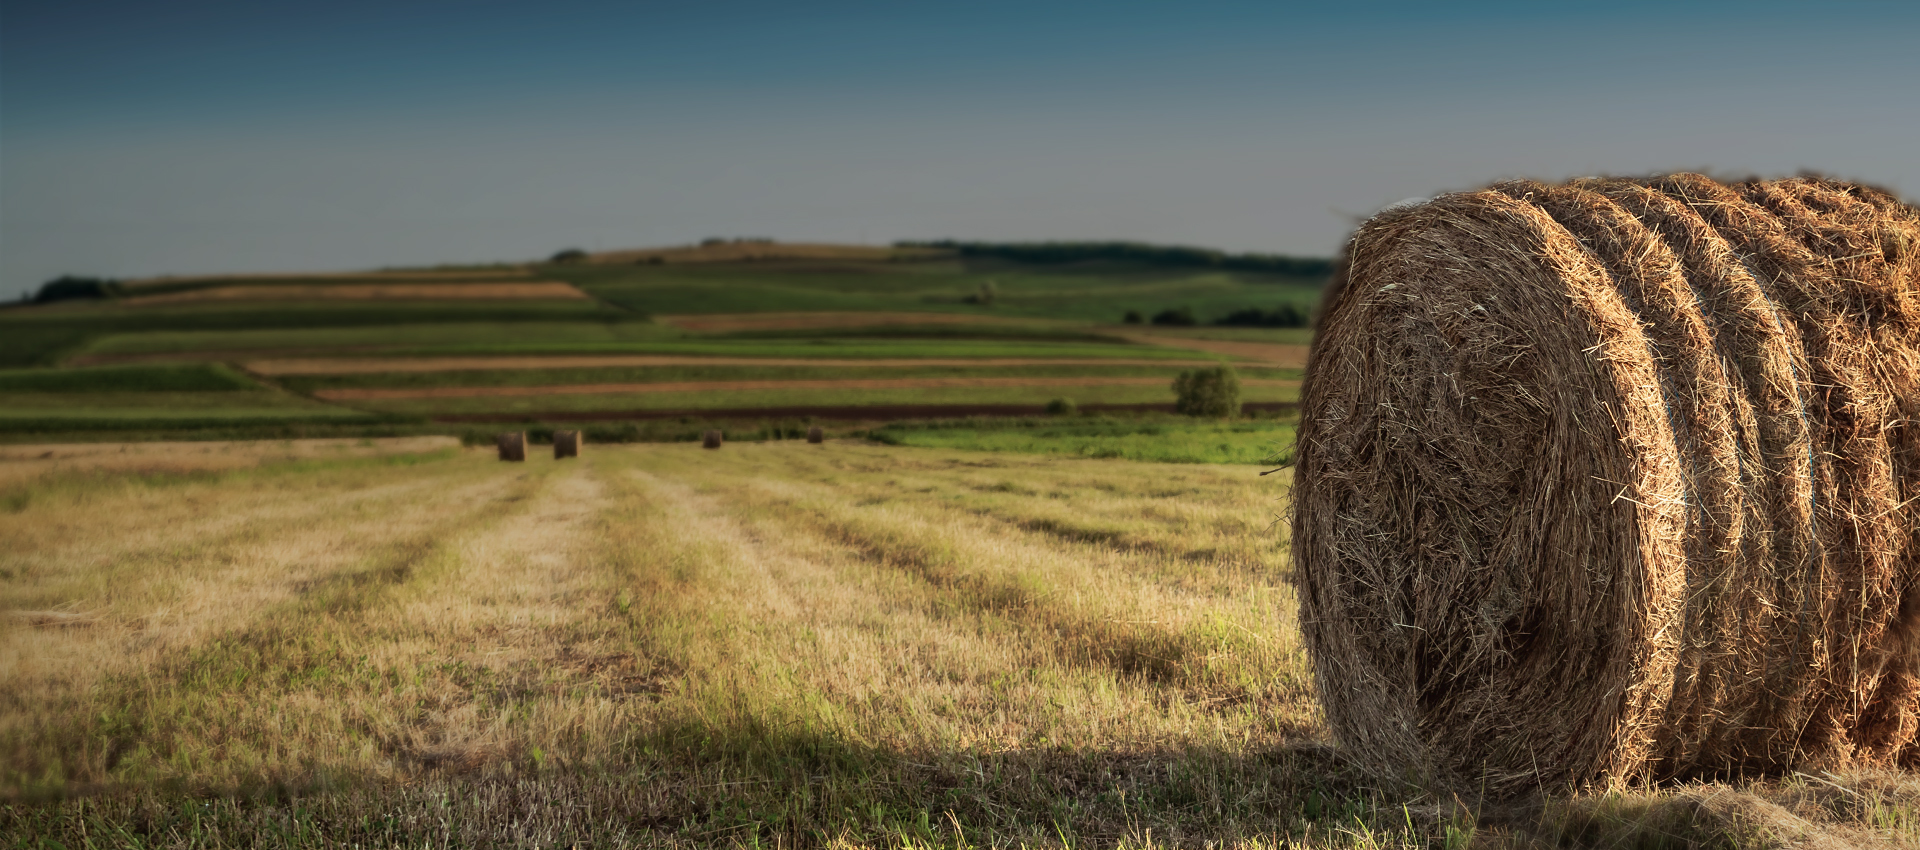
column 756, row 783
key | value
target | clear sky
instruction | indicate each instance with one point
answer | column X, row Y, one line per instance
column 141, row 138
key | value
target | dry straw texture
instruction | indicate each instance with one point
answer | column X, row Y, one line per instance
column 816, row 434
column 512, row 445
column 1618, row 480
column 567, row 444
column 710, row 440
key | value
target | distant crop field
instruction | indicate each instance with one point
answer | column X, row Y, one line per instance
column 314, row 376
column 188, row 377
column 1255, row 441
column 229, row 344
column 825, row 386
column 1153, row 392
column 398, row 291
column 163, row 405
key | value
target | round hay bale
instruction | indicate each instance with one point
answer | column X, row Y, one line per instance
column 711, row 439
column 1617, row 480
column 567, row 444
column 512, row 445
column 816, row 435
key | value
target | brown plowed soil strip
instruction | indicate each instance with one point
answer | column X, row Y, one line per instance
column 1283, row 355
column 371, row 393
column 857, row 413
column 371, row 365
column 468, row 291
column 805, row 321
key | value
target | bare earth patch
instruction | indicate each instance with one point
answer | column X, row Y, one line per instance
column 364, row 393
column 462, row 291
column 376, row 365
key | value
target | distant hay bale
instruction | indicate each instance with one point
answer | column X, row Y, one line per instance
column 711, row 439
column 816, row 434
column 567, row 444
column 512, row 445
column 1617, row 480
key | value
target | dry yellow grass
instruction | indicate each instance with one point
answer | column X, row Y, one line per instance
column 832, row 645
column 23, row 461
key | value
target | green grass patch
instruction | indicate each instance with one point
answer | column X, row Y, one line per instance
column 832, row 348
column 1287, row 336
column 1099, row 291
column 177, row 378
column 375, row 338
column 1023, row 332
column 1160, row 440
column 42, row 336
column 722, row 372
column 173, row 406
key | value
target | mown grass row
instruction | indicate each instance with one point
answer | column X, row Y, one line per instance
column 781, row 643
column 774, row 658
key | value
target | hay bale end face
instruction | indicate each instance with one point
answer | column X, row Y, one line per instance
column 711, row 439
column 512, row 445
column 567, row 444
column 816, row 434
column 1617, row 480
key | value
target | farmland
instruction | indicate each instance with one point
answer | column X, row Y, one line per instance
column 264, row 586
column 404, row 642
column 718, row 331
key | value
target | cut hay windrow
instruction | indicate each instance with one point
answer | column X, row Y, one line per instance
column 567, row 444
column 512, row 445
column 1617, row 480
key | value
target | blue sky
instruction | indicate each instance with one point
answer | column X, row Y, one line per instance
column 149, row 138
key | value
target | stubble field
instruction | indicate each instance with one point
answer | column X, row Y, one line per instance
column 404, row 643
column 778, row 640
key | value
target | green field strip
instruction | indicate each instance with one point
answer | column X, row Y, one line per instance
column 832, row 348
column 381, row 338
column 196, row 377
column 717, row 400
column 1265, row 442
column 532, row 377
column 253, row 404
